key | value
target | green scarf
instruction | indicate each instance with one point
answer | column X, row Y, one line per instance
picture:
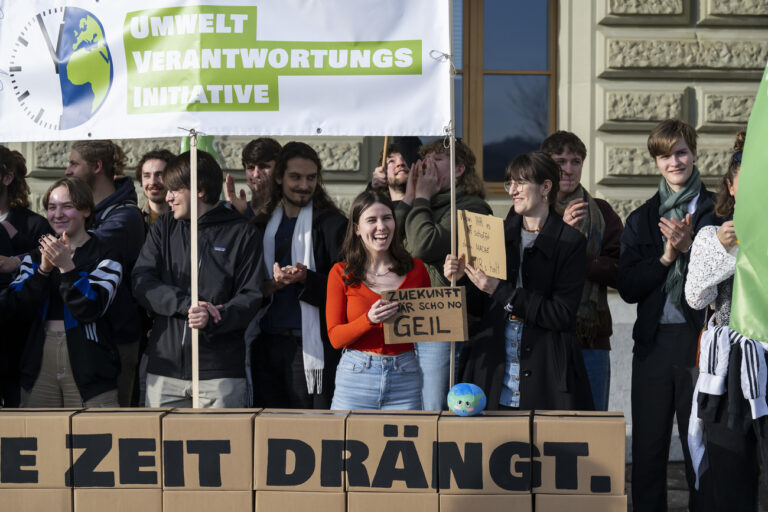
column 594, row 296
column 674, row 205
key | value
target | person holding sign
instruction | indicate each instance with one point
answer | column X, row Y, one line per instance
column 66, row 288
column 424, row 216
column 527, row 355
column 602, row 228
column 372, row 375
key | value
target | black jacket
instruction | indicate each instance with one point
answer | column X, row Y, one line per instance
column 117, row 221
column 642, row 275
column 552, row 372
column 231, row 271
column 30, row 227
column 87, row 292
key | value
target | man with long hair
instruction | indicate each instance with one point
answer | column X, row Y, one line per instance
column 294, row 363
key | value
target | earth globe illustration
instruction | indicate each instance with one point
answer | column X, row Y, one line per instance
column 85, row 66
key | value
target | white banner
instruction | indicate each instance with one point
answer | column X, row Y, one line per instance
column 127, row 69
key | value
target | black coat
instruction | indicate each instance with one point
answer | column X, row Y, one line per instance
column 231, row 272
column 642, row 275
column 552, row 372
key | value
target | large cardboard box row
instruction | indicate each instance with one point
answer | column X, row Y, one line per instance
column 312, row 451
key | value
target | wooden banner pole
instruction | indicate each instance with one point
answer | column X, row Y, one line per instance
column 452, row 137
column 193, row 264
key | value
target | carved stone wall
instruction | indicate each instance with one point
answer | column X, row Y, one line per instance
column 645, row 7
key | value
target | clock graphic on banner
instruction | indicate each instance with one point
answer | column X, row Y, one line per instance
column 61, row 67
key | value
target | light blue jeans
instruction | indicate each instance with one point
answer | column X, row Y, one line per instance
column 510, row 392
column 365, row 381
column 434, row 360
column 598, row 363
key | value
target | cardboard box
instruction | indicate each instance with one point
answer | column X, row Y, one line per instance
column 272, row 501
column 579, row 452
column 29, row 500
column 392, row 502
column 390, row 451
column 591, row 503
column 299, row 450
column 33, row 448
column 488, row 454
column 207, row 501
column 208, row 449
column 486, row 502
column 118, row 500
column 117, row 448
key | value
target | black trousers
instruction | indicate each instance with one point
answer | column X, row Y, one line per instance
column 277, row 363
column 662, row 388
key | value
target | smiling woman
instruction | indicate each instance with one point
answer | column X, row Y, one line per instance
column 372, row 375
column 70, row 358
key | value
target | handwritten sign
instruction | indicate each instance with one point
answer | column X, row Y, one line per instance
column 427, row 314
column 481, row 238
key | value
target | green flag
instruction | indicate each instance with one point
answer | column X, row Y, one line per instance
column 749, row 309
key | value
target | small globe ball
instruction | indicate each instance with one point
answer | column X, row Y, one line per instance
column 466, row 399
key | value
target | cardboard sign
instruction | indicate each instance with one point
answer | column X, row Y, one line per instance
column 289, row 456
column 118, row 448
column 392, row 501
column 487, row 502
column 427, row 314
column 592, row 503
column 481, row 238
column 579, row 452
column 391, row 451
column 208, row 449
column 488, row 454
column 119, row 500
column 270, row 501
column 33, row 450
column 207, row 501
column 24, row 500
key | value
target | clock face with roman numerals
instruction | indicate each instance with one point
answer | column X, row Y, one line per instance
column 35, row 54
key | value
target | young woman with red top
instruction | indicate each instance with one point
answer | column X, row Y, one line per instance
column 372, row 375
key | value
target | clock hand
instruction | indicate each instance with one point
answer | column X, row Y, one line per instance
column 54, row 57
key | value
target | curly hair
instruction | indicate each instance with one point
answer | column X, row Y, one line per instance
column 470, row 180
column 724, row 201
column 13, row 162
column 107, row 152
column 156, row 154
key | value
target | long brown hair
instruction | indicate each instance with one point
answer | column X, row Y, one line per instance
column 321, row 201
column 13, row 162
column 353, row 251
column 724, row 201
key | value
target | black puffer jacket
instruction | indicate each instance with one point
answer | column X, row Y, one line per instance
column 231, row 271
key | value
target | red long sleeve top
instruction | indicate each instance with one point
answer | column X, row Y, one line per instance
column 346, row 311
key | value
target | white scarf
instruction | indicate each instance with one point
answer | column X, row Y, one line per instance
column 301, row 252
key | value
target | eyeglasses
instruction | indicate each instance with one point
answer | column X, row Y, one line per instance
column 736, row 157
column 510, row 185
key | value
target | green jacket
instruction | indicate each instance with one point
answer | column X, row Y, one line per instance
column 426, row 228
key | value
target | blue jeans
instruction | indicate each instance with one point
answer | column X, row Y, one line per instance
column 435, row 360
column 598, row 363
column 510, row 392
column 365, row 381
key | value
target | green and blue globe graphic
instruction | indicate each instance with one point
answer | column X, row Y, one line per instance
column 85, row 67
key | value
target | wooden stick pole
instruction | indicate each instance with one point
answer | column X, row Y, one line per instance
column 193, row 264
column 384, row 155
column 452, row 136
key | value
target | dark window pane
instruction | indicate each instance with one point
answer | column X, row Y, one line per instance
column 458, row 34
column 515, row 119
column 516, row 35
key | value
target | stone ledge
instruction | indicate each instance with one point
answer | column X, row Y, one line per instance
column 734, row 13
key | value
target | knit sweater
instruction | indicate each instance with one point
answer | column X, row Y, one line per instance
column 710, row 274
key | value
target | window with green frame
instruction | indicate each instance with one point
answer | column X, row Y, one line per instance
column 505, row 53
